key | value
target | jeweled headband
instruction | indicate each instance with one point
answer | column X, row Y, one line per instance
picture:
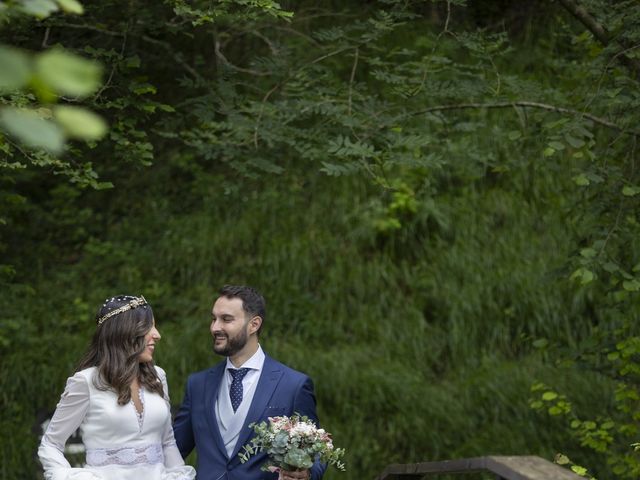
column 135, row 302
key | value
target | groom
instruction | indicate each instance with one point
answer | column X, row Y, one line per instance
column 249, row 386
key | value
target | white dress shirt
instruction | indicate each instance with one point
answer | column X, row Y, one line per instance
column 229, row 422
column 255, row 364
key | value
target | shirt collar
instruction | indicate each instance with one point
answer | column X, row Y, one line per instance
column 255, row 362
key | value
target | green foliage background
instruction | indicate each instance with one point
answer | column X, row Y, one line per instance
column 438, row 200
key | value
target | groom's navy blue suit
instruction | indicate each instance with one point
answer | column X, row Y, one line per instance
column 280, row 391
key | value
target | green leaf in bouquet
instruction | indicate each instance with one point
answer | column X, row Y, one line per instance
column 298, row 458
column 281, row 440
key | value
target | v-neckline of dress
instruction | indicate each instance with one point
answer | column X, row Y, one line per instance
column 139, row 414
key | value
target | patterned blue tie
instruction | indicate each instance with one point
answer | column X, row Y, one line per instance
column 235, row 392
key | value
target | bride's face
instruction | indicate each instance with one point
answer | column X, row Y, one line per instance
column 150, row 340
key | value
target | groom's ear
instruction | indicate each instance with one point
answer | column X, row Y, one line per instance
column 254, row 324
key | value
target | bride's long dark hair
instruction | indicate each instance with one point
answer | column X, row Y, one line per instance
column 116, row 347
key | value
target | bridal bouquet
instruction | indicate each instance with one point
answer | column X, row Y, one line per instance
column 292, row 443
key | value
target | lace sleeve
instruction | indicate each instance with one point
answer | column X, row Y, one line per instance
column 68, row 416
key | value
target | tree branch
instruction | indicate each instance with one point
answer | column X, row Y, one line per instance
column 220, row 55
column 353, row 74
column 259, row 119
column 166, row 45
column 586, row 19
column 113, row 70
column 527, row 104
column 598, row 31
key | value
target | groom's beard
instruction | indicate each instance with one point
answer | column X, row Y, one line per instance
column 233, row 345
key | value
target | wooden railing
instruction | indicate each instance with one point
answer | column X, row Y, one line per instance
column 504, row 468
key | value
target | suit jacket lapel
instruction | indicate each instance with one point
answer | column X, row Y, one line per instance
column 269, row 378
column 214, row 378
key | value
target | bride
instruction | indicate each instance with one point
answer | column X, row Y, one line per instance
column 119, row 400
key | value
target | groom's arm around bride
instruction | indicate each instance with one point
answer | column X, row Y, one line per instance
column 249, row 386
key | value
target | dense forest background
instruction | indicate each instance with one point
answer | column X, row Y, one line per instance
column 438, row 199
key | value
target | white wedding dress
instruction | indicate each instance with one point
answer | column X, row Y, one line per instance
column 121, row 444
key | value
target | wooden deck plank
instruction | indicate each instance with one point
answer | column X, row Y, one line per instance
column 507, row 467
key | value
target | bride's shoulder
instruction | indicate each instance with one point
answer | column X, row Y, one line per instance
column 85, row 375
column 160, row 371
column 88, row 372
column 81, row 380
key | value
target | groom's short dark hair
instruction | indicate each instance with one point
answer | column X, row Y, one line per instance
column 252, row 302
